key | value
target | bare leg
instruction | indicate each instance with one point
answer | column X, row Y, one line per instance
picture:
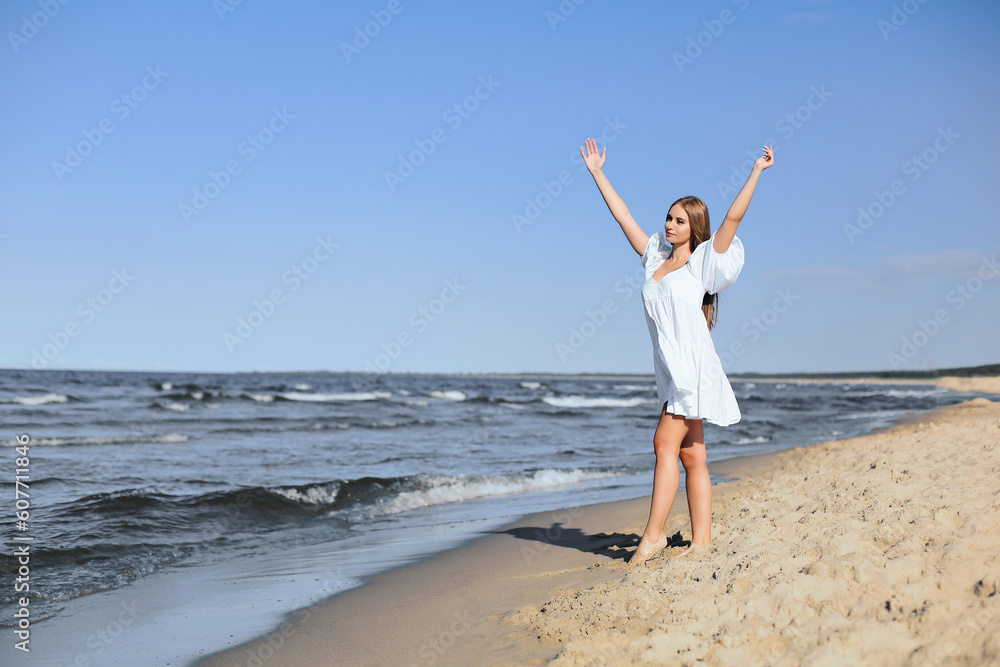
column 670, row 433
column 699, row 485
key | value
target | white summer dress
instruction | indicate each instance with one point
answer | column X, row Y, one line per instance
column 690, row 380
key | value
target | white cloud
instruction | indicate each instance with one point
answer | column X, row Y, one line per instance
column 955, row 263
column 905, row 266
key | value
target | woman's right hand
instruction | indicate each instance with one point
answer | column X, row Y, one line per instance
column 592, row 158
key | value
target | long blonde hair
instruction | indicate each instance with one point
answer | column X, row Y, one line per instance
column 701, row 231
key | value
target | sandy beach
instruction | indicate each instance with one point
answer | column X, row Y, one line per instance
column 876, row 550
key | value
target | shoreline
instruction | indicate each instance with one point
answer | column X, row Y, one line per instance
column 457, row 607
column 447, row 609
column 369, row 603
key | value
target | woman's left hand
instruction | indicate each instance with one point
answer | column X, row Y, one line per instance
column 766, row 160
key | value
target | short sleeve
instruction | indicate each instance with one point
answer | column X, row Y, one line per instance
column 656, row 252
column 716, row 270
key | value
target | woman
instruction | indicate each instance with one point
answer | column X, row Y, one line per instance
column 686, row 267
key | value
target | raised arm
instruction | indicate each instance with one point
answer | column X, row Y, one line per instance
column 727, row 230
column 633, row 232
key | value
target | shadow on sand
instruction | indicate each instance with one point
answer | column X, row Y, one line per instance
column 615, row 546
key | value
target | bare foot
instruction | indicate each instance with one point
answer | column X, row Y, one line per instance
column 644, row 551
column 692, row 548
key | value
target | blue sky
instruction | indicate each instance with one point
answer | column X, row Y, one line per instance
column 203, row 186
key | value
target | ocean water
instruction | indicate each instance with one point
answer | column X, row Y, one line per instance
column 314, row 480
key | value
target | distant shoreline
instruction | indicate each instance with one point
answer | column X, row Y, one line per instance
column 974, row 384
column 902, row 377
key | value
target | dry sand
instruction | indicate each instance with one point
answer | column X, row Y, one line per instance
column 878, row 550
column 981, row 385
column 881, row 550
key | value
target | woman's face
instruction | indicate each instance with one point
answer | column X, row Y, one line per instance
column 676, row 227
